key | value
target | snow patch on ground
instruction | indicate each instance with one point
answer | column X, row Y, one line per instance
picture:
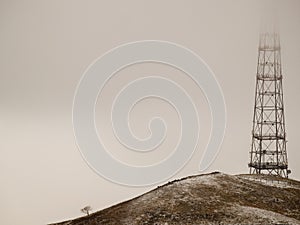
column 209, row 179
column 274, row 217
column 272, row 182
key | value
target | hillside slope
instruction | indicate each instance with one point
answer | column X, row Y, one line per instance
column 214, row 198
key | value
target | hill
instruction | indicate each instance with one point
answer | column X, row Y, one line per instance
column 214, row 198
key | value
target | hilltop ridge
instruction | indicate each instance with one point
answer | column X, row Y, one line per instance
column 214, row 198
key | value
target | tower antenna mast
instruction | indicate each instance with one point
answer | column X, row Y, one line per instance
column 268, row 153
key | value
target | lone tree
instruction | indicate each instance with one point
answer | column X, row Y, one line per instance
column 86, row 210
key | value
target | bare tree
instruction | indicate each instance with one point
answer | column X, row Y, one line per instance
column 86, row 210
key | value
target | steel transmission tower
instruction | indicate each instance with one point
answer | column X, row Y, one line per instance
column 268, row 151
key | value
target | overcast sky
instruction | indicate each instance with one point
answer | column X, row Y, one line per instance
column 45, row 46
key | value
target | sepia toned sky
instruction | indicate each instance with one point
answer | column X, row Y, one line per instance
column 45, row 46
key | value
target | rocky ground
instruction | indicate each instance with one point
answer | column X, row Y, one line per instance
column 214, row 198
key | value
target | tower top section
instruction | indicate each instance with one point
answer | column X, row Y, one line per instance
column 269, row 41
